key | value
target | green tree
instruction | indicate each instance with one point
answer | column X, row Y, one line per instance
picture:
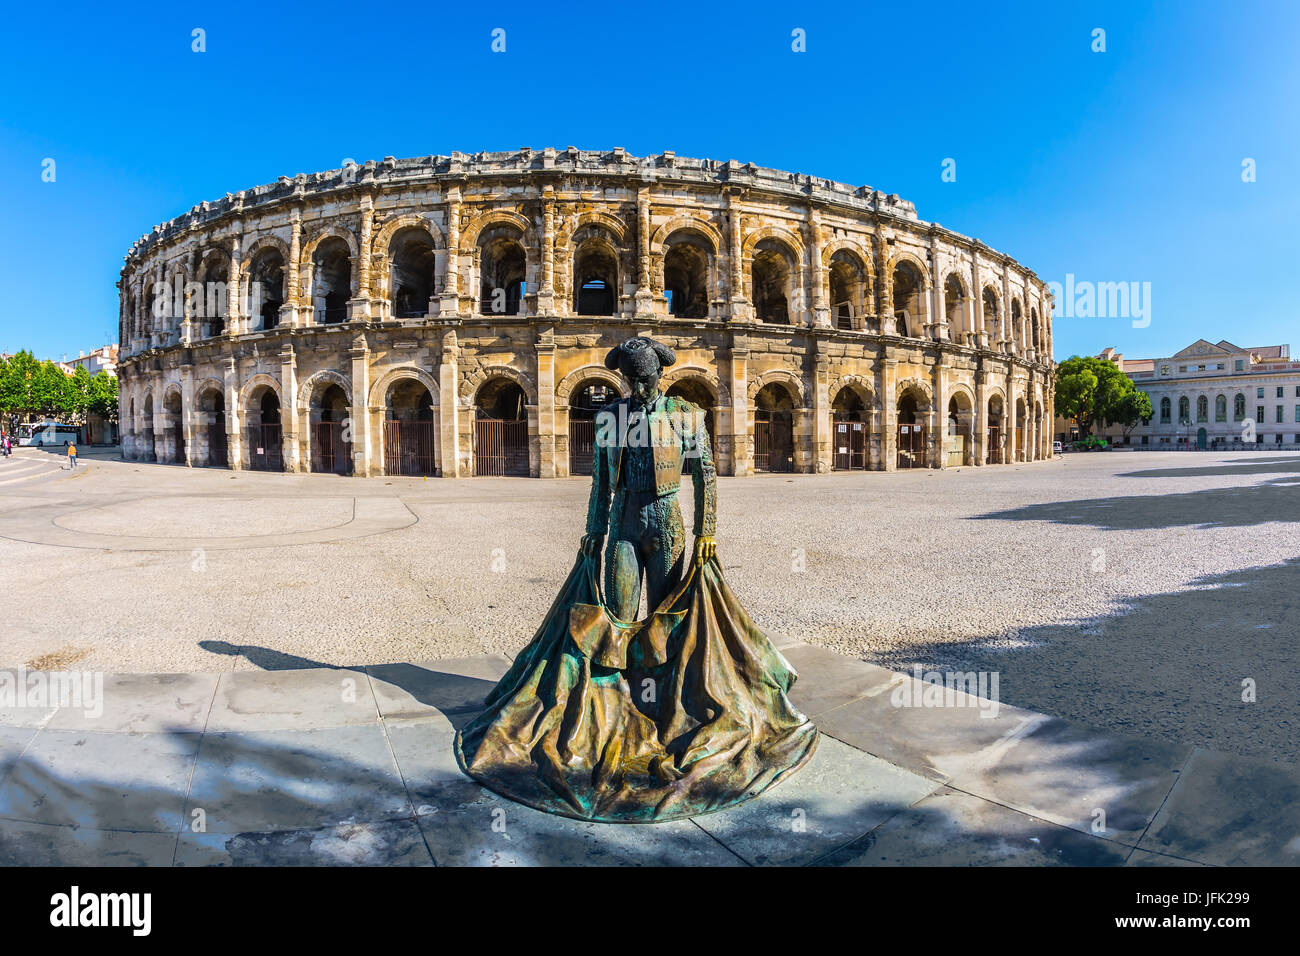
column 47, row 390
column 16, row 384
column 1092, row 391
column 76, row 396
column 103, row 396
column 1133, row 407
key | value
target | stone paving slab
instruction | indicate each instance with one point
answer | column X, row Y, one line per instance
column 354, row 766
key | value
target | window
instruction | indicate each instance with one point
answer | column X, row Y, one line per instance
column 1279, row 415
column 1182, row 368
column 1279, row 391
column 1200, row 368
column 1184, row 409
column 1219, row 367
column 1164, row 410
column 1259, row 414
column 1237, row 365
column 1164, row 370
column 1221, row 408
column 1203, row 409
column 1297, row 413
column 1297, row 391
column 1259, row 392
column 1239, row 408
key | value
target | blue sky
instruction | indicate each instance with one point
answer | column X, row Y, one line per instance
column 1117, row 166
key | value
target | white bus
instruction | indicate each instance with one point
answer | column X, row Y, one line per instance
column 43, row 434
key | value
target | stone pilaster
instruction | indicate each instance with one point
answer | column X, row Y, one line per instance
column 234, row 414
column 290, row 312
column 449, row 407
column 361, row 439
column 644, row 293
column 188, row 417
column 289, row 411
column 888, row 377
column 742, row 462
column 547, row 466
column 546, row 290
column 981, row 417
column 822, row 429
column 359, row 306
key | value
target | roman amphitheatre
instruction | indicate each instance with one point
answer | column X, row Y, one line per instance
column 448, row 316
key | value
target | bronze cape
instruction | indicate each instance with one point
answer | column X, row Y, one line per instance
column 680, row 714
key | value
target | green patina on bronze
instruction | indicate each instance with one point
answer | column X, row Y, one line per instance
column 682, row 713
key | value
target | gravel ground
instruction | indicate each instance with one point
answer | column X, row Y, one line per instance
column 1133, row 591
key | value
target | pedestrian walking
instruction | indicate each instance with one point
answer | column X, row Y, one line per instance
column 72, row 456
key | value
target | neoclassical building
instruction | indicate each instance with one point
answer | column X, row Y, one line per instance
column 449, row 315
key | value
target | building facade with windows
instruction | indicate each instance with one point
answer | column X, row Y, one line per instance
column 1212, row 395
column 449, row 315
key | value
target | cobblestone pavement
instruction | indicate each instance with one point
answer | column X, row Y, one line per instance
column 1128, row 591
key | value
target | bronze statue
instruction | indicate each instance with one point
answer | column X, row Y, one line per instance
column 603, row 717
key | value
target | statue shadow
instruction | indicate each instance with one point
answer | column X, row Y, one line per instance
column 1224, row 468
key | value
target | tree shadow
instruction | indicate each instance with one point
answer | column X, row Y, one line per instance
column 1223, row 468
column 1168, row 666
column 1238, row 507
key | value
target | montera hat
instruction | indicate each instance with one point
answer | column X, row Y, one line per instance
column 640, row 356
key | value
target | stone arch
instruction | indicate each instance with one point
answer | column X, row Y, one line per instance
column 316, row 378
column 257, row 381
column 394, row 224
column 859, row 383
column 570, row 227
column 474, row 380
column 915, row 261
column 773, row 232
column 785, row 377
column 697, row 223
column 265, row 241
column 391, row 376
column 203, row 386
column 589, row 373
column 469, row 236
column 916, row 386
column 329, row 230
column 966, row 391
column 718, row 389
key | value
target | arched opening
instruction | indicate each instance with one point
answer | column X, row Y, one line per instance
column 266, row 287
column 586, row 399
column 994, row 455
column 1238, row 408
column 1166, row 413
column 331, row 281
column 911, row 430
column 772, row 280
column 501, row 429
column 1036, row 451
column 1017, row 326
column 992, row 318
column 175, row 444
column 503, row 267
column 1184, row 410
column 1021, row 425
column 595, row 277
column 330, row 430
column 409, row 429
column 264, row 435
column 415, row 261
column 848, row 290
column 909, row 310
column 959, row 447
column 698, row 393
column 1033, row 322
column 211, row 430
column 1221, row 408
column 211, row 305
column 686, row 275
column 850, row 424
column 774, row 429
column 148, row 450
column 1202, row 408
column 956, row 307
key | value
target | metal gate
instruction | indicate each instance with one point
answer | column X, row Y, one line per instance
column 582, row 445
column 773, row 442
column 911, row 446
column 408, row 448
column 329, row 452
column 501, row 447
column 265, row 448
column 218, row 454
column 850, row 440
column 994, row 455
column 178, row 443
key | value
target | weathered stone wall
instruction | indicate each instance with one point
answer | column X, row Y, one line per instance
column 459, row 272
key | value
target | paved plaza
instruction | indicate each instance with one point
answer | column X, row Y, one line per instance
column 286, row 657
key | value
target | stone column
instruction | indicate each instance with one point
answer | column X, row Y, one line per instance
column 889, row 411
column 234, row 307
column 981, row 417
column 739, row 301
column 547, row 466
column 1008, row 342
column 742, row 462
column 977, row 304
column 884, row 286
column 820, row 314
column 289, row 411
column 939, row 429
column 187, row 412
column 546, row 291
column 448, row 408
column 234, row 415
column 359, row 306
column 823, row 437
column 1009, row 441
column 449, row 300
column 360, row 353
column 644, row 292
column 290, row 316
column 938, row 307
